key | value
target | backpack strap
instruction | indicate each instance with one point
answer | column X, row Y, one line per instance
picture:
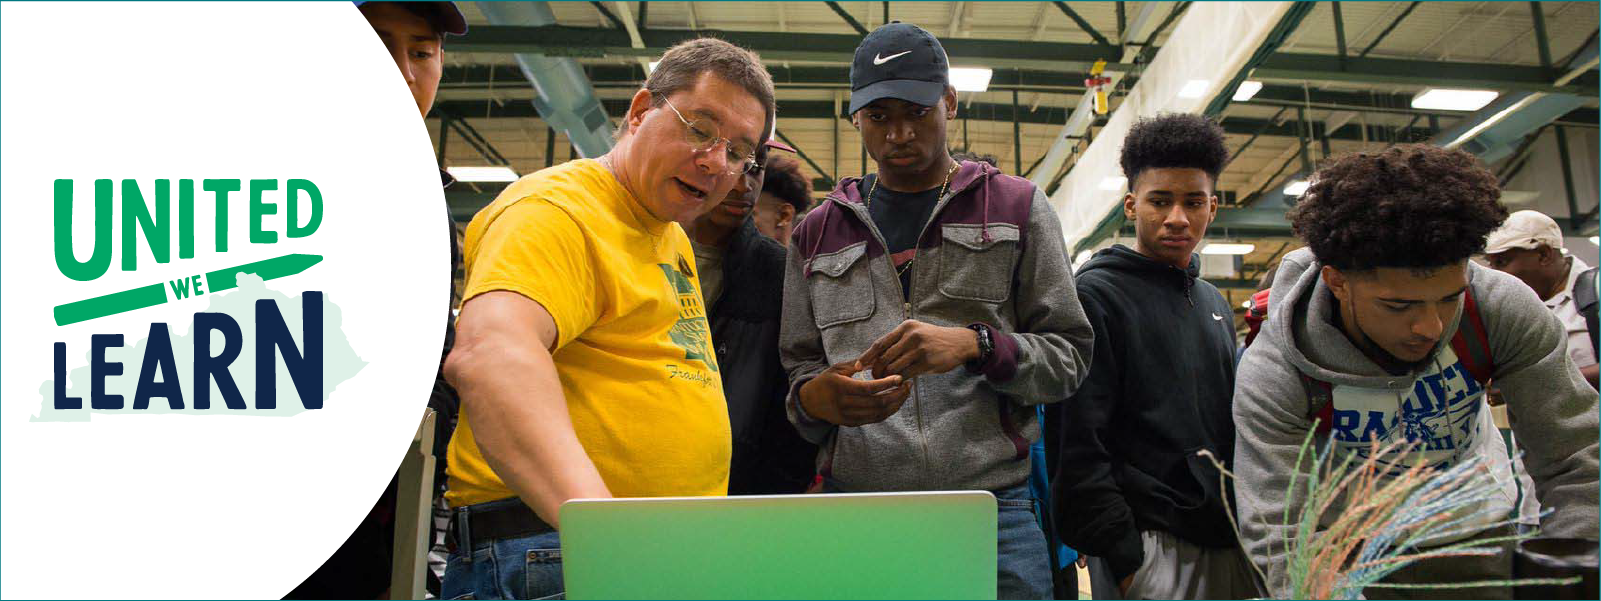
column 1320, row 402
column 1472, row 343
column 1256, row 315
column 1584, row 298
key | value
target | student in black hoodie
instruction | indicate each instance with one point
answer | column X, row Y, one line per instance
column 1130, row 489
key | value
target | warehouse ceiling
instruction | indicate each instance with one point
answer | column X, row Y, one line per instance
column 1040, row 51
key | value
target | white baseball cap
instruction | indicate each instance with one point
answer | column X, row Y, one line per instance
column 1524, row 229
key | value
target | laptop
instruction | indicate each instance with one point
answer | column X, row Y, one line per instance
column 923, row 545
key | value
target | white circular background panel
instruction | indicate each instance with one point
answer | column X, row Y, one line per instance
column 175, row 504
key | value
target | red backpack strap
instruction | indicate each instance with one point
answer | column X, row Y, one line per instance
column 1320, row 402
column 1472, row 343
column 1256, row 314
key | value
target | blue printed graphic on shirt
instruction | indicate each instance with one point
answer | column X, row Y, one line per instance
column 1440, row 413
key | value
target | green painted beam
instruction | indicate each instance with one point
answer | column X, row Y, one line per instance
column 846, row 15
column 1327, row 67
column 1391, row 27
column 787, row 109
column 1083, row 24
column 977, row 111
column 507, row 76
column 563, row 40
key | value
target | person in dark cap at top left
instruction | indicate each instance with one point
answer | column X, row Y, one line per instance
column 414, row 34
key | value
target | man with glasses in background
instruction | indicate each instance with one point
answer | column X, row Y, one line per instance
column 583, row 355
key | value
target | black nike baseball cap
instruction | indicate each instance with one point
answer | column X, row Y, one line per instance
column 902, row 61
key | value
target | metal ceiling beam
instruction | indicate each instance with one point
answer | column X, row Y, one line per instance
column 1320, row 67
column 1339, row 29
column 604, row 12
column 1045, row 174
column 811, row 76
column 1271, row 222
column 1083, row 24
column 564, row 96
column 562, row 40
column 1541, row 41
column 1494, row 131
column 787, row 109
column 1390, row 28
column 1369, row 102
column 1276, row 37
column 977, row 111
column 846, row 15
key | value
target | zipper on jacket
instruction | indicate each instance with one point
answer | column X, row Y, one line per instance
column 906, row 304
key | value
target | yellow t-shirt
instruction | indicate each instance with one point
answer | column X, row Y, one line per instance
column 633, row 348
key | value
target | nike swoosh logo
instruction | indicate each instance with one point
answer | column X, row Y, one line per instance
column 879, row 59
column 1216, row 317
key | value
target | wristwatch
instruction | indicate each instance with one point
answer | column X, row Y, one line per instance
column 986, row 346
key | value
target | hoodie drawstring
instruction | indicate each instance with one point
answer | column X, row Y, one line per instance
column 984, row 190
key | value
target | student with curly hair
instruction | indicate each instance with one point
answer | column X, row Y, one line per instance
column 1130, row 490
column 1383, row 330
column 785, row 195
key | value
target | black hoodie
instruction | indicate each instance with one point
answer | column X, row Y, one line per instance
column 1159, row 389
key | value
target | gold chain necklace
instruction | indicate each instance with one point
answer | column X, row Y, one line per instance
column 868, row 204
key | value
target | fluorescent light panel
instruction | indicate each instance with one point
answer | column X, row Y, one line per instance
column 970, row 79
column 482, row 174
column 1296, row 188
column 1449, row 99
column 1247, row 90
column 1194, row 88
column 1221, row 248
column 652, row 68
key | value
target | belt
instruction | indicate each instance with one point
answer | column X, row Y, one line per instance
column 492, row 521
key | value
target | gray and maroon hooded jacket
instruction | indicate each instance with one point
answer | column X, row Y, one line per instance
column 992, row 253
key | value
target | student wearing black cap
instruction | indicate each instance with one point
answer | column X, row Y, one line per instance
column 413, row 33
column 928, row 308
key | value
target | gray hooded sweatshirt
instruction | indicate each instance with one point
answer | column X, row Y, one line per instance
column 1439, row 405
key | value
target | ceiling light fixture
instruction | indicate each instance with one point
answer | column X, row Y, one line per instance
column 1450, row 99
column 970, row 79
column 1296, row 188
column 482, row 174
column 1247, row 90
column 1222, row 248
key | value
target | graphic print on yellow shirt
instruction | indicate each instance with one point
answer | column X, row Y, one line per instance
column 692, row 332
column 633, row 346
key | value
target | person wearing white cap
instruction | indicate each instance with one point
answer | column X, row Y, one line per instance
column 1529, row 247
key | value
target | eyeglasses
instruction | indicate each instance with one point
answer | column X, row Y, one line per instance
column 702, row 136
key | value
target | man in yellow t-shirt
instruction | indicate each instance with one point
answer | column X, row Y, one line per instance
column 583, row 356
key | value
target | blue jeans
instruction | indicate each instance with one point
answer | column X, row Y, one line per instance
column 1023, row 562
column 508, row 568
